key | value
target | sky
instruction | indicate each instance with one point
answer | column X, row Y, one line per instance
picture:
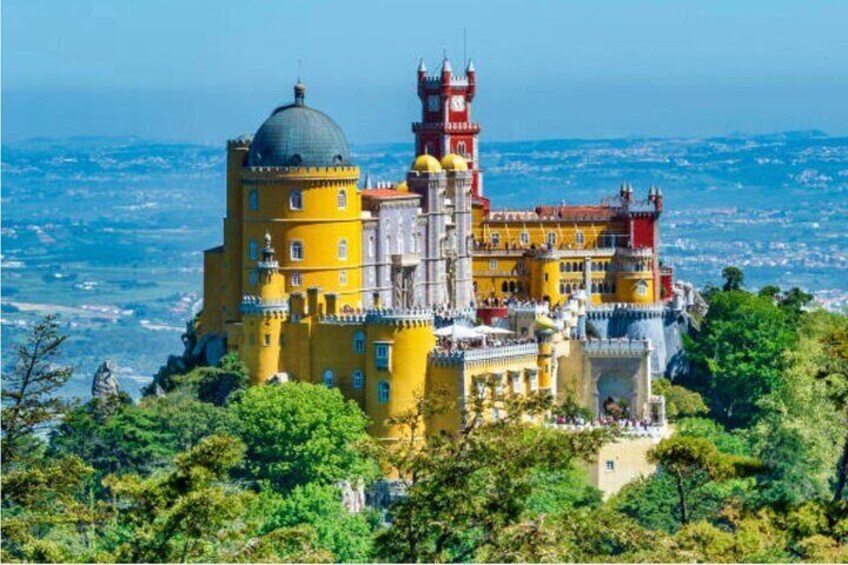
column 204, row 71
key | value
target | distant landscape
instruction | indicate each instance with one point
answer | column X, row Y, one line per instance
column 109, row 232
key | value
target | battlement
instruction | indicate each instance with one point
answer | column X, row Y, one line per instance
column 601, row 311
column 450, row 127
column 302, row 173
column 463, row 356
column 436, row 80
column 617, row 347
column 358, row 318
column 253, row 305
column 240, row 142
column 399, row 316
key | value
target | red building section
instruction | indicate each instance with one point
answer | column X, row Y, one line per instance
column 446, row 125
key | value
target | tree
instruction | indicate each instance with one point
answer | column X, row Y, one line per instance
column 679, row 401
column 468, row 491
column 218, row 384
column 698, row 460
column 737, row 357
column 28, row 391
column 298, row 433
column 733, row 278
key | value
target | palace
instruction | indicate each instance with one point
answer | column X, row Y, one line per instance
column 378, row 291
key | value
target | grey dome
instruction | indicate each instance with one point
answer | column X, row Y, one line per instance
column 298, row 136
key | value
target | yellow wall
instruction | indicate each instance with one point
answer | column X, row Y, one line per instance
column 211, row 319
column 564, row 231
column 320, row 225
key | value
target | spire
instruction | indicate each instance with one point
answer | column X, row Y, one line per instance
column 446, row 65
column 470, row 67
column 367, row 180
column 421, row 67
column 299, row 93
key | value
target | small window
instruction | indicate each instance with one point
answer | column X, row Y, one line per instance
column 253, row 249
column 371, row 246
column 428, row 149
column 342, row 278
column 358, row 379
column 610, row 465
column 253, row 200
column 516, row 382
column 296, row 251
column 342, row 250
column 328, row 378
column 359, row 342
column 642, row 289
column 578, row 238
column 481, row 389
column 254, row 278
column 267, row 340
column 383, row 392
column 460, row 148
column 525, row 238
column 342, row 199
column 295, row 279
column 493, row 264
column 381, row 355
column 496, row 238
column 552, row 238
column 534, row 381
column 296, row 200
column 499, row 386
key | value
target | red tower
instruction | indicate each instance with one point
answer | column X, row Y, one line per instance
column 446, row 125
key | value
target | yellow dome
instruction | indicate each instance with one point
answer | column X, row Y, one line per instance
column 426, row 164
column 454, row 162
column 402, row 187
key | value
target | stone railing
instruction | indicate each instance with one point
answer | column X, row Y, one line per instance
column 637, row 430
column 462, row 356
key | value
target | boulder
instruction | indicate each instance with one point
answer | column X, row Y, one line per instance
column 104, row 384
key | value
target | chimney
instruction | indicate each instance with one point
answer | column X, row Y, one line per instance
column 312, row 300
column 330, row 301
column 296, row 304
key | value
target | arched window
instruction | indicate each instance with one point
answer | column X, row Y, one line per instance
column 359, row 342
column 371, row 246
column 428, row 148
column 358, row 379
column 296, row 200
column 296, row 251
column 552, row 238
column 252, row 249
column 383, row 392
column 254, row 278
column 496, row 238
column 525, row 238
column 328, row 378
column 342, row 278
column 253, row 201
column 504, row 287
column 562, row 288
column 342, row 199
column 642, row 289
column 343, row 250
column 460, row 148
column 578, row 237
column 294, row 279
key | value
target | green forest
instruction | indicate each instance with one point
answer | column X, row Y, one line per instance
column 211, row 470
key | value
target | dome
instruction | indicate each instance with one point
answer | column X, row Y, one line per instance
column 298, row 136
column 454, row 162
column 426, row 164
column 402, row 186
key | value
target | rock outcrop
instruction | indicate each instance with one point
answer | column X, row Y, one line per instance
column 104, row 384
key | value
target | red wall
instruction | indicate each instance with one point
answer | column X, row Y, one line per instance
column 642, row 232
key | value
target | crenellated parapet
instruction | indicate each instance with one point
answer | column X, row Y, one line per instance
column 617, row 347
column 354, row 319
column 240, row 142
column 321, row 176
column 254, row 305
column 406, row 317
column 621, row 310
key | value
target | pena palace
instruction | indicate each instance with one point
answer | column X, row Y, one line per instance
column 391, row 292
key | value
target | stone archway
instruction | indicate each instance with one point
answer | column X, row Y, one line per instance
column 618, row 389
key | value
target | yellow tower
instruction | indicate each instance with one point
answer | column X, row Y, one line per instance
column 263, row 317
column 396, row 365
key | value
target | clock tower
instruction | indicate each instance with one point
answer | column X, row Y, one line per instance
column 446, row 125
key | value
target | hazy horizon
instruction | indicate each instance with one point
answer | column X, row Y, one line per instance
column 206, row 71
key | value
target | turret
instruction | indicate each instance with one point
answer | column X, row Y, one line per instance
column 422, row 71
column 626, row 192
column 472, row 80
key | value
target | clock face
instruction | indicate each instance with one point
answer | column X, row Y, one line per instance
column 457, row 103
column 433, row 102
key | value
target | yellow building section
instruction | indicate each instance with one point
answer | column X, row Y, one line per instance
column 396, row 368
column 314, row 218
column 211, row 318
column 561, row 233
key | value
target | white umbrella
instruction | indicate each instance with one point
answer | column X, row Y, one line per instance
column 491, row 330
column 457, row 332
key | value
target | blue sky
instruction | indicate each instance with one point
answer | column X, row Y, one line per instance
column 207, row 70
